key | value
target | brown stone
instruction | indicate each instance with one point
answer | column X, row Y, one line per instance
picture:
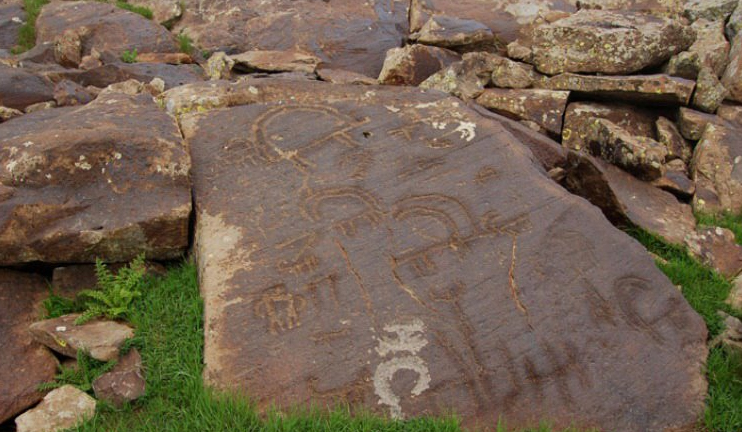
column 716, row 248
column 163, row 11
column 413, row 64
column 105, row 28
column 108, row 180
column 713, row 10
column 734, row 25
column 20, row 88
column 731, row 113
column 580, row 115
column 710, row 50
column 544, row 107
column 219, row 66
column 669, row 136
column 68, row 50
column 100, row 338
column 71, row 279
column 12, row 17
column 68, row 93
column 465, row 79
column 732, row 78
column 735, row 295
column 454, row 33
column 641, row 156
column 340, row 76
column 675, row 180
column 627, row 201
column 124, row 383
column 511, row 74
column 692, row 123
column 172, row 75
column 655, row 7
column 169, row 58
column 442, row 290
column 63, row 408
column 26, row 363
column 609, row 42
column 351, row 35
column 716, row 170
column 710, row 93
column 274, row 61
column 645, row 89
column 9, row 113
column 41, row 106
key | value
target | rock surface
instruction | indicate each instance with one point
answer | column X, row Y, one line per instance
column 12, row 17
column 21, row 88
column 99, row 338
column 413, row 64
column 645, row 89
column 454, row 33
column 25, row 363
column 716, row 247
column 641, row 156
column 357, row 269
column 732, row 78
column 581, row 115
column 275, row 61
column 608, row 42
column 108, row 180
column 63, row 408
column 124, row 383
column 709, row 50
column 716, row 170
column 543, row 107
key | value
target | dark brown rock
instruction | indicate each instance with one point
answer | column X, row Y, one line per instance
column 456, row 286
column 274, row 61
column 609, row 42
column 717, row 248
column 511, row 74
column 413, row 64
column 692, row 123
column 454, row 33
column 12, row 18
column 163, row 11
column 708, row 51
column 61, row 409
column 100, row 338
column 103, row 27
column 465, row 79
column 103, row 76
column 710, row 93
column 108, row 180
column 669, row 136
column 644, row 89
column 340, row 76
column 675, row 180
column 716, row 170
column 124, row 383
column 351, row 35
column 713, row 10
column 627, row 201
column 655, row 7
column 20, row 88
column 580, row 115
column 732, row 78
column 543, row 107
column 68, row 93
column 26, row 363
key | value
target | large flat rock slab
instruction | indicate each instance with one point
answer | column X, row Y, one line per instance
column 107, row 180
column 396, row 250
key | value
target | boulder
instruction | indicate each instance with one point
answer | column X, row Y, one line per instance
column 717, row 248
column 441, row 290
column 712, row 10
column 692, row 123
column 101, row 339
column 609, row 42
column 69, row 93
column 580, row 115
column 26, row 363
column 124, row 383
column 734, row 25
column 732, row 78
column 274, row 61
column 163, row 11
column 709, row 50
column 12, row 17
column 413, row 64
column 675, row 180
column 642, row 89
column 103, row 76
column 716, row 170
column 340, row 76
column 103, row 27
column 512, row 74
column 465, row 79
column 63, row 408
column 669, row 136
column 641, row 156
column 20, row 88
column 543, row 107
column 627, row 201
column 455, row 33
column 710, row 93
column 107, row 180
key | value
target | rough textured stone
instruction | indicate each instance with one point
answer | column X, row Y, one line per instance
column 9, row 113
column 41, row 106
column 731, row 113
column 441, row 290
column 627, row 201
column 274, row 61
column 12, row 18
column 544, row 107
column 124, row 383
column 675, row 180
column 646, row 89
column 413, row 64
column 710, row 93
column 63, row 408
column 717, row 248
column 68, row 49
column 692, row 123
column 465, row 79
column 101, row 339
column 709, row 50
column 104, row 27
column 103, row 76
column 26, row 363
column 351, row 35
column 21, row 88
column 734, row 25
column 716, row 170
column 511, row 74
column 454, row 33
column 713, row 10
column 608, row 42
column 163, row 11
column 107, row 180
column 580, row 115
column 656, row 7
column 169, row 58
column 68, row 93
column 732, row 78
column 340, row 76
column 731, row 337
column 641, row 156
column 669, row 136
column 219, row 66
column 735, row 295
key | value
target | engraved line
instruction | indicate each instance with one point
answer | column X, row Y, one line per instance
column 364, row 292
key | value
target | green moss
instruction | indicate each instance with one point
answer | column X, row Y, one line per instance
column 186, row 44
column 27, row 32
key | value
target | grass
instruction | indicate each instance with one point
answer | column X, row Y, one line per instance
column 186, row 43
column 82, row 375
column 129, row 56
column 731, row 221
column 27, row 32
column 141, row 10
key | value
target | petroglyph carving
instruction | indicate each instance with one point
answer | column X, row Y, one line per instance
column 402, row 352
column 301, row 260
column 630, row 292
column 280, row 308
column 369, row 208
column 323, row 286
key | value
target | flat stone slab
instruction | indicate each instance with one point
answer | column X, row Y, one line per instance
column 393, row 249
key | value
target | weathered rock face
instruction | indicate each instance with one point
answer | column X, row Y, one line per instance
column 61, row 409
column 716, row 170
column 103, row 76
column 353, row 35
column 12, row 17
column 465, row 79
column 609, row 42
column 413, row 64
column 693, row 123
column 107, row 180
column 732, row 78
column 163, row 11
column 656, row 7
column 440, row 290
column 275, row 61
column 716, row 247
column 669, row 136
column 710, row 93
column 26, row 363
column 734, row 25
column 455, row 33
column 543, row 107
column 340, row 76
column 124, row 383
column 641, row 156
column 713, row 10
column 21, row 88
column 103, row 27
column 709, row 50
column 101, row 339
column 649, row 89
column 506, row 18
column 581, row 115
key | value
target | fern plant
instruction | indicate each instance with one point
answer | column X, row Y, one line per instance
column 81, row 376
column 129, row 56
column 115, row 294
